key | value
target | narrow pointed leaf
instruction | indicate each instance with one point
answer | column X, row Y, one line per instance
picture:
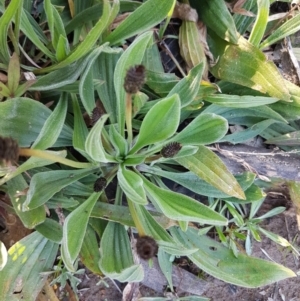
column 141, row 20
column 236, row 101
column 53, row 125
column 21, row 278
column 74, row 230
column 259, row 27
column 116, row 256
column 132, row 185
column 188, row 87
column 44, row 185
column 217, row 260
column 204, row 129
column 13, row 74
column 209, row 167
column 171, row 204
column 216, row 16
column 252, row 70
column 93, row 143
column 160, row 122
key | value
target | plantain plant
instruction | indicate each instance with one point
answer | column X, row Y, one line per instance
column 111, row 131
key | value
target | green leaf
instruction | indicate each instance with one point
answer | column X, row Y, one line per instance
column 50, row 229
column 55, row 23
column 286, row 29
column 217, row 260
column 171, row 204
column 118, row 141
column 188, row 87
column 5, row 22
column 292, row 139
column 249, row 133
column 74, row 231
column 197, row 185
column 87, row 44
column 89, row 253
column 24, row 119
column 3, row 256
column 132, row 185
column 80, row 129
column 252, row 70
column 86, row 85
column 29, row 218
column 160, row 122
column 259, row 27
column 44, row 185
column 204, row 129
column 116, row 257
column 93, row 143
column 141, row 20
column 34, row 33
column 236, row 101
column 21, row 278
column 103, row 70
column 209, row 167
column 53, row 125
column 253, row 194
column 13, row 74
column 215, row 14
column 133, row 55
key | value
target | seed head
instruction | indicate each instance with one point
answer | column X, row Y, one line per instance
column 146, row 247
column 100, row 184
column 134, row 79
column 9, row 150
column 171, row 149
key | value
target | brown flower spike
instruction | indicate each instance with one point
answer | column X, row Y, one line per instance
column 134, row 79
column 9, row 150
column 171, row 149
column 146, row 247
column 96, row 115
column 100, row 184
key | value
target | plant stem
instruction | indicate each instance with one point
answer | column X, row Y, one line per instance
column 29, row 152
column 128, row 116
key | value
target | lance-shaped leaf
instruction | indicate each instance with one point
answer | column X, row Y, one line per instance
column 216, row 16
column 259, row 27
column 133, row 55
column 44, row 185
column 132, row 184
column 13, row 74
column 29, row 218
column 188, row 87
column 93, row 143
column 209, row 167
column 160, row 122
column 246, row 65
column 249, row 133
column 53, row 125
column 192, row 182
column 236, row 101
column 3, row 255
column 204, row 129
column 287, row 139
column 116, row 256
column 84, row 47
column 74, row 230
column 180, row 207
column 145, row 17
column 89, row 253
column 50, row 229
column 220, row 262
column 191, row 47
column 21, row 278
column 286, row 29
column 24, row 119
